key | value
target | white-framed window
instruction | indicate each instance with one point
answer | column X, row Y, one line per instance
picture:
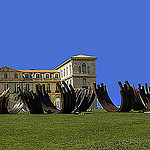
column 70, row 69
column 56, row 75
column 66, row 71
column 47, row 75
column 38, row 75
column 61, row 72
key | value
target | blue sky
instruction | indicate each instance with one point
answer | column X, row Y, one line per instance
column 42, row 34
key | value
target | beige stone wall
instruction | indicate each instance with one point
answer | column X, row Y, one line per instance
column 78, row 82
column 11, row 81
column 90, row 63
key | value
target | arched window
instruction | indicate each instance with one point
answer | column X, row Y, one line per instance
column 84, row 68
column 26, row 75
column 37, row 75
column 47, row 75
column 84, row 83
column 5, row 75
column 56, row 75
column 15, row 75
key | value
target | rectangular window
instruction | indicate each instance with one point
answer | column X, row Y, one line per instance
column 84, row 83
column 57, row 90
column 16, row 88
column 88, row 69
column 70, row 70
column 79, row 69
column 5, row 87
column 28, row 87
column 64, row 73
column 5, row 75
column 48, row 88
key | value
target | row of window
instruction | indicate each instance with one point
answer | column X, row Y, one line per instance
column 29, row 76
column 39, row 76
column 66, row 71
column 16, row 87
column 6, row 76
column 84, row 69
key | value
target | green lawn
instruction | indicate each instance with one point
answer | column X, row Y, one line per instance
column 95, row 130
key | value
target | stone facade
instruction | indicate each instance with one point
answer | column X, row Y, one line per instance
column 10, row 77
column 79, row 71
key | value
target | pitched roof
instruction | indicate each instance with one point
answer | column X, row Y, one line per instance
column 81, row 56
column 9, row 68
column 76, row 57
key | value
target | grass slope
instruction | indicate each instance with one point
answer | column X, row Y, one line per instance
column 96, row 130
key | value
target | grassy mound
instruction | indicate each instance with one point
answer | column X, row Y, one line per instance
column 94, row 130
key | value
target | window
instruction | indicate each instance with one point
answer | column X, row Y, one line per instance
column 16, row 88
column 47, row 75
column 48, row 88
column 37, row 75
column 79, row 69
column 64, row 73
column 58, row 102
column 56, row 75
column 88, row 69
column 26, row 75
column 28, row 87
column 84, row 82
column 57, row 90
column 5, row 87
column 15, row 75
column 70, row 70
column 84, row 68
column 51, row 75
column 5, row 75
column 61, row 72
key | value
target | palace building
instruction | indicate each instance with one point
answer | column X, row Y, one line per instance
column 10, row 77
column 79, row 71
